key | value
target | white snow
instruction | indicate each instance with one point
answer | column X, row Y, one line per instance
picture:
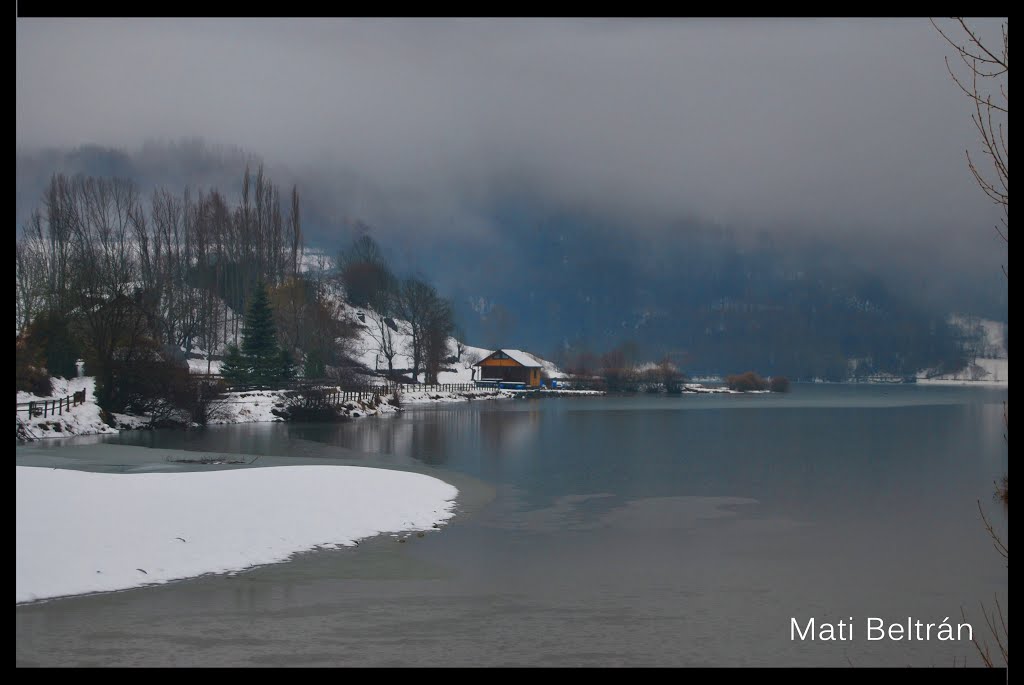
column 699, row 388
column 81, row 532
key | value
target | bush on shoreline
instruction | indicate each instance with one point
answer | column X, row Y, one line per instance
column 745, row 382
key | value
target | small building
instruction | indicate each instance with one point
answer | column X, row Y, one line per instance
column 510, row 366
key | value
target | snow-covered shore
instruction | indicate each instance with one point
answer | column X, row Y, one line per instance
column 80, row 532
column 236, row 407
column 83, row 419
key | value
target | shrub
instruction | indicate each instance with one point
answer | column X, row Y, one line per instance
column 779, row 384
column 209, row 402
column 745, row 382
column 30, row 373
column 147, row 382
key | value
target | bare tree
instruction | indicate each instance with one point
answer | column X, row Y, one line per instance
column 437, row 330
column 29, row 278
column 983, row 76
column 105, row 217
column 459, row 333
column 364, row 271
column 382, row 327
column 416, row 302
column 295, row 232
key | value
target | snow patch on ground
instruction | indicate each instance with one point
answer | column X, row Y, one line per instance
column 981, row 371
column 81, row 532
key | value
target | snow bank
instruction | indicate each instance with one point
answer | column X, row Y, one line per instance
column 426, row 397
column 81, row 532
column 81, row 420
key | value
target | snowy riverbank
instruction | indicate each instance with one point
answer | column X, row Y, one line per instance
column 235, row 407
column 80, row 532
column 82, row 419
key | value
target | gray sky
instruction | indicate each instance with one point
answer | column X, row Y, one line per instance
column 848, row 126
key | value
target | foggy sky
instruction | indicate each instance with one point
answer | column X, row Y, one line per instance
column 850, row 127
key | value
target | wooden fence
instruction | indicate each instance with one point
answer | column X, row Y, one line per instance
column 318, row 392
column 52, row 407
column 337, row 395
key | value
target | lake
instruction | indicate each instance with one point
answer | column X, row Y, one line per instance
column 642, row 530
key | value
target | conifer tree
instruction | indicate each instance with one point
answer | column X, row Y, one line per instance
column 260, row 350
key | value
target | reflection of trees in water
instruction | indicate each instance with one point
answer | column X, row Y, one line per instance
column 431, row 437
column 429, row 442
column 436, row 436
column 506, row 431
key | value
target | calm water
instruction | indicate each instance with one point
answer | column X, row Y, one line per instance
column 642, row 530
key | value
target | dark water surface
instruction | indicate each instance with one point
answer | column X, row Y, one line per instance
column 641, row 530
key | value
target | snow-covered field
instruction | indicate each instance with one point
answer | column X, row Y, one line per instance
column 80, row 532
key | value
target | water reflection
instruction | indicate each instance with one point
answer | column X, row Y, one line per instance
column 636, row 531
column 431, row 436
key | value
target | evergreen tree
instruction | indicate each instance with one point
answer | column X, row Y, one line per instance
column 260, row 350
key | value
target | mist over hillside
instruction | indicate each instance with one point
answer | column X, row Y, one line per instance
column 560, row 279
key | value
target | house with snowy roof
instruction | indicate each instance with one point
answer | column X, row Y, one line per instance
column 510, row 367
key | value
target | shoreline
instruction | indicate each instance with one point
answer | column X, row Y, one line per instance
column 382, row 500
column 248, row 406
